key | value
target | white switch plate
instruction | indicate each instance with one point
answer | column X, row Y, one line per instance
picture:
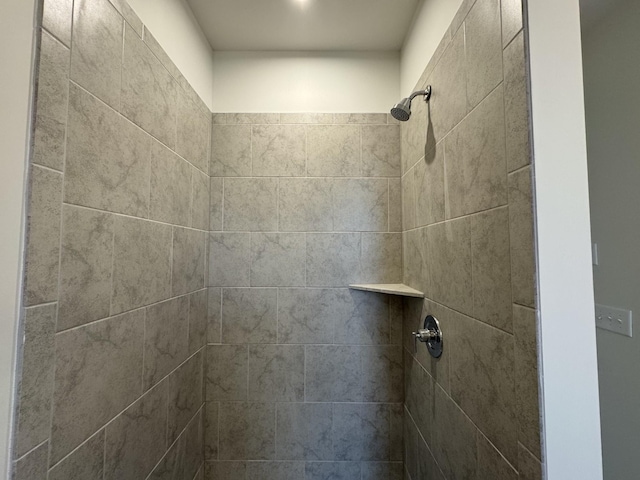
column 616, row 320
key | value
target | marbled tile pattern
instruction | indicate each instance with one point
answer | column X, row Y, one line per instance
column 117, row 313
column 301, row 206
column 468, row 243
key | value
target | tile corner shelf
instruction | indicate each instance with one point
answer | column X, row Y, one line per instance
column 389, row 288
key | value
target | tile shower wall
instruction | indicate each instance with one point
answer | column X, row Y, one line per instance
column 468, row 243
column 116, row 305
column 304, row 376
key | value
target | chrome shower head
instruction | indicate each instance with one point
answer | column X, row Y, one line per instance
column 402, row 111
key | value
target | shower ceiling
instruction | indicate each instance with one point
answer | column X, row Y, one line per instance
column 342, row 25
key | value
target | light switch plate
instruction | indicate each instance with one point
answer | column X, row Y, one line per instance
column 616, row 320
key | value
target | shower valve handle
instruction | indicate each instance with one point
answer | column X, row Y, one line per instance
column 431, row 335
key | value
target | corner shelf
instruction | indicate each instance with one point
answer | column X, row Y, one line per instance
column 389, row 288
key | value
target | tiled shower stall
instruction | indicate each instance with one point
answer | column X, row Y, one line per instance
column 187, row 304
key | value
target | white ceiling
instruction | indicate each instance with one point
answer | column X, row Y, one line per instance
column 319, row 25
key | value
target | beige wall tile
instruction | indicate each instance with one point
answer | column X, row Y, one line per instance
column 230, row 150
column 381, row 151
column 200, row 199
column 185, row 386
column 516, row 105
column 43, row 234
column 56, row 18
column 198, row 311
column 85, row 462
column 333, row 259
column 395, row 205
column 247, row 430
column 149, row 92
column 227, row 373
column 142, row 264
column 276, row 373
column 363, row 118
column 107, row 165
column 511, row 19
column 188, row 259
column 429, row 187
column 333, row 150
column 303, row 432
column 523, row 268
column 32, row 466
column 491, row 268
column 304, row 118
column 252, row 118
column 476, row 160
column 85, row 269
column 249, row 315
column 96, row 55
column 483, row 50
column 98, row 374
column 215, row 204
column 250, row 204
column 408, row 200
column 170, row 186
column 36, row 387
column 278, row 150
column 214, row 320
column 193, row 132
column 51, row 108
column 491, row 464
column 529, row 467
column 229, row 259
column 381, row 257
column 278, row 259
column 129, row 15
column 414, row 133
column 360, row 205
column 304, row 204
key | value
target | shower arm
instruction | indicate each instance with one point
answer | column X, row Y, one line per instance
column 426, row 93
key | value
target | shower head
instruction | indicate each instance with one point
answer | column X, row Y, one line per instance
column 402, row 111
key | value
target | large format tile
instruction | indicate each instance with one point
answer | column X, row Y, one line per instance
column 360, row 118
column 253, row 118
column 381, row 374
column 142, row 264
column 32, row 466
column 382, row 471
column 247, row 431
column 251, row 204
column 96, row 56
column 476, row 160
column 333, row 259
column 278, row 150
column 332, row 373
column 149, row 93
column 200, row 198
column 211, row 431
column 529, row 467
column 418, row 395
column 158, row 51
column 416, row 135
column 512, row 19
column 333, row 150
column 129, row 15
column 332, row 470
column 395, row 205
column 427, row 466
column 85, row 268
column 225, row 470
column 214, row 320
column 107, row 161
column 408, row 185
column 215, row 204
column 527, row 395
column 87, row 462
column 491, row 268
column 36, row 385
column 381, row 257
column 185, row 395
column 304, row 205
column 249, row 315
column 275, row 470
column 227, row 372
column 523, row 266
column 308, row 315
column 43, row 236
column 98, row 374
column 483, row 50
column 303, row 431
column 305, row 118
column 229, row 259
column 193, row 132
column 449, row 264
column 51, row 102
column 483, row 381
column 278, row 259
column 429, row 187
column 414, row 251
column 187, row 272
column 448, row 104
column 198, row 311
column 454, row 439
column 170, row 186
column 365, row 431
column 166, row 338
column 381, row 151
column 136, row 439
column 230, row 151
column 363, row 318
column 360, row 205
column 276, row 373
column 491, row 464
column 516, row 103
column 56, row 18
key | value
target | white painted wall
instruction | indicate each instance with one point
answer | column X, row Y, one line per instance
column 16, row 54
column 432, row 20
column 172, row 23
column 305, row 81
column 567, row 332
column 611, row 70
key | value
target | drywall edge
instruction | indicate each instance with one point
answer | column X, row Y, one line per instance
column 569, row 378
column 17, row 40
